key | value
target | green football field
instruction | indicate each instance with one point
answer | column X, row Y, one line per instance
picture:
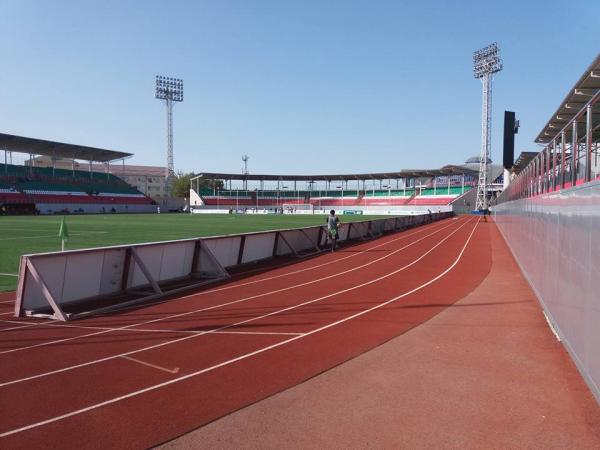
column 22, row 235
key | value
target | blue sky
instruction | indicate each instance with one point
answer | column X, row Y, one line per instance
column 300, row 86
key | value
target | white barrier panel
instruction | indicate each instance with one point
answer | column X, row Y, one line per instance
column 258, row 246
column 297, row 241
column 377, row 227
column 50, row 284
column 389, row 224
column 555, row 238
column 225, row 249
column 78, row 283
column 357, row 230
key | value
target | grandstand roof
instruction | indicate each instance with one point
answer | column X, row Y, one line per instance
column 425, row 173
column 21, row 144
column 522, row 161
column 578, row 96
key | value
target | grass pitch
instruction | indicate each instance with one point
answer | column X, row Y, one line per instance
column 23, row 235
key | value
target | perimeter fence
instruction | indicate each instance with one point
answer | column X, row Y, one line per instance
column 79, row 283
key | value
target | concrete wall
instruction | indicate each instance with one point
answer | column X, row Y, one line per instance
column 465, row 204
column 555, row 238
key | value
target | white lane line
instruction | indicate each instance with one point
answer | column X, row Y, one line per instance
column 172, row 316
column 8, row 275
column 9, row 302
column 234, row 285
column 257, row 333
column 24, row 325
column 6, row 313
column 225, row 327
column 36, row 323
column 154, row 366
column 147, row 330
column 244, row 356
column 150, row 330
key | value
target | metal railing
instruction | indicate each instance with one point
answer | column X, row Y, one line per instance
column 569, row 159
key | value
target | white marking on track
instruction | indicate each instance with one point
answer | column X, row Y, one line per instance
column 244, row 299
column 154, row 366
column 225, row 327
column 23, row 325
column 257, row 333
column 36, row 323
column 90, row 327
column 158, row 330
column 244, row 356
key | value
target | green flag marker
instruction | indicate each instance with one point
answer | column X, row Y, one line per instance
column 63, row 233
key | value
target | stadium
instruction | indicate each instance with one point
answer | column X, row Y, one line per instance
column 452, row 306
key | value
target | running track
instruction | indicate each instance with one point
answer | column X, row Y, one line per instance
column 147, row 375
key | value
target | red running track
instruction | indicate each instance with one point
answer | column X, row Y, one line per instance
column 144, row 376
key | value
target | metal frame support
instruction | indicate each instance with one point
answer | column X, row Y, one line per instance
column 145, row 271
column 58, row 313
column 563, row 155
column 316, row 245
column 547, row 152
column 282, row 237
column 588, row 142
column 241, row 249
column 21, row 285
column 574, row 155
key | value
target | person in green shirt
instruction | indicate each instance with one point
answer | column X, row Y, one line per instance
column 333, row 227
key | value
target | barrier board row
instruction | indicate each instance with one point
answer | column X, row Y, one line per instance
column 74, row 284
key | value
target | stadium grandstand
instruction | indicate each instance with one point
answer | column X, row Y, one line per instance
column 28, row 189
column 399, row 193
column 424, row 318
column 149, row 180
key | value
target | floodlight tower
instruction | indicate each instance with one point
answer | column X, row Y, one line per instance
column 486, row 62
column 170, row 90
column 245, row 158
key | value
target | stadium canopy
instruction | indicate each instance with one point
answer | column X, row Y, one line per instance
column 424, row 173
column 32, row 146
column 523, row 160
column 585, row 88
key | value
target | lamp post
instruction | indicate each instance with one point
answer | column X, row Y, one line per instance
column 170, row 90
column 486, row 62
column 342, row 188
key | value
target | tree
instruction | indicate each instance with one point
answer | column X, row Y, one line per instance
column 181, row 185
